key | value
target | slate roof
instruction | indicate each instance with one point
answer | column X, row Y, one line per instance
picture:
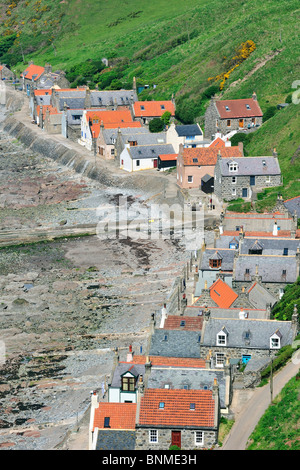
column 112, row 97
column 112, row 440
column 260, row 297
column 145, row 138
column 122, row 415
column 188, row 130
column 126, row 133
column 232, row 312
column 270, row 268
column 227, row 256
column 194, row 379
column 271, row 246
column 222, row 294
column 122, row 368
column 178, row 343
column 248, row 166
column 208, row 155
column 176, row 411
column 43, row 100
column 238, row 108
column 293, row 205
column 75, row 102
column 260, row 332
column 153, row 108
column 150, row 151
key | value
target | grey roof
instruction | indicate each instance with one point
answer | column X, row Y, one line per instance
column 70, row 116
column 260, row 297
column 227, row 259
column 207, row 178
column 255, row 365
column 150, row 151
column 115, row 440
column 188, row 130
column 126, row 133
column 271, row 246
column 144, row 138
column 259, row 331
column 195, row 379
column 43, row 100
column 122, row 368
column 293, row 205
column 179, row 343
column 270, row 268
column 112, row 97
column 225, row 240
column 71, row 102
column 250, row 166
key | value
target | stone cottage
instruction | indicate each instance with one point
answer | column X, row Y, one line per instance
column 225, row 116
column 242, row 178
column 6, row 73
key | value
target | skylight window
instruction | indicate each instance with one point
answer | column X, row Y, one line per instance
column 182, row 323
column 248, row 106
column 161, row 405
column 227, row 108
column 195, row 160
column 143, row 108
column 106, row 422
column 192, row 406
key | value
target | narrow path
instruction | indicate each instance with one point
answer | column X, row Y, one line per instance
column 248, row 418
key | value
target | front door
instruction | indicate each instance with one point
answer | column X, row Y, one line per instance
column 252, row 180
column 245, row 192
column 176, row 438
column 241, row 123
column 155, row 163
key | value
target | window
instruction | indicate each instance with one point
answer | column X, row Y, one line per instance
column 221, row 339
column 227, row 108
column 190, row 179
column 215, row 263
column 199, row 438
column 182, row 323
column 106, row 422
column 162, row 106
column 220, row 358
column 128, row 384
column 228, row 123
column 233, row 180
column 233, row 192
column 285, row 251
column 233, row 167
column 161, row 405
column 192, row 406
column 137, row 163
column 112, row 151
column 248, row 106
column 165, row 337
column 268, row 179
column 153, row 436
column 275, row 342
column 143, row 108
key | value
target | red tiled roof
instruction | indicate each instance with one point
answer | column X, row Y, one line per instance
column 171, row 156
column 110, row 120
column 222, row 294
column 171, row 361
column 1, row 67
column 50, row 108
column 153, row 108
column 191, row 323
column 42, row 92
column 176, row 411
column 217, row 143
column 33, row 70
column 207, row 156
column 238, row 108
column 122, row 415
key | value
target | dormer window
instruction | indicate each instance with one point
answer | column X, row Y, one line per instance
column 128, row 383
column 233, row 167
column 275, row 340
column 222, row 337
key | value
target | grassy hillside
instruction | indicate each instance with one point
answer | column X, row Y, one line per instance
column 278, row 429
column 181, row 47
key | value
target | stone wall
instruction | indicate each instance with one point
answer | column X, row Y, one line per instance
column 272, row 287
column 165, row 439
column 235, row 353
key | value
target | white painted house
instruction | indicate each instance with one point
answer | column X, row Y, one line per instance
column 143, row 157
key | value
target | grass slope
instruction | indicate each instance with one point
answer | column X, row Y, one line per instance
column 278, row 429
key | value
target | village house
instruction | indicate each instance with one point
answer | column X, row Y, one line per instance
column 38, row 98
column 225, row 116
column 6, row 73
column 145, row 111
column 49, row 119
column 42, row 77
column 111, row 142
column 92, row 121
column 144, row 157
column 245, row 338
column 112, row 425
column 194, row 165
column 190, row 135
column 244, row 177
column 188, row 419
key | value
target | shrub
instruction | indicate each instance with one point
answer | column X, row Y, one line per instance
column 156, row 125
column 210, row 91
column 166, row 118
column 289, row 99
column 270, row 112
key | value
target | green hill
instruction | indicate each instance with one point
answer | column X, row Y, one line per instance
column 178, row 46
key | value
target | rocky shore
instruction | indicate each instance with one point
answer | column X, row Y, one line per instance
column 66, row 304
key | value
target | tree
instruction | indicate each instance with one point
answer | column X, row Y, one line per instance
column 156, row 125
column 166, row 118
